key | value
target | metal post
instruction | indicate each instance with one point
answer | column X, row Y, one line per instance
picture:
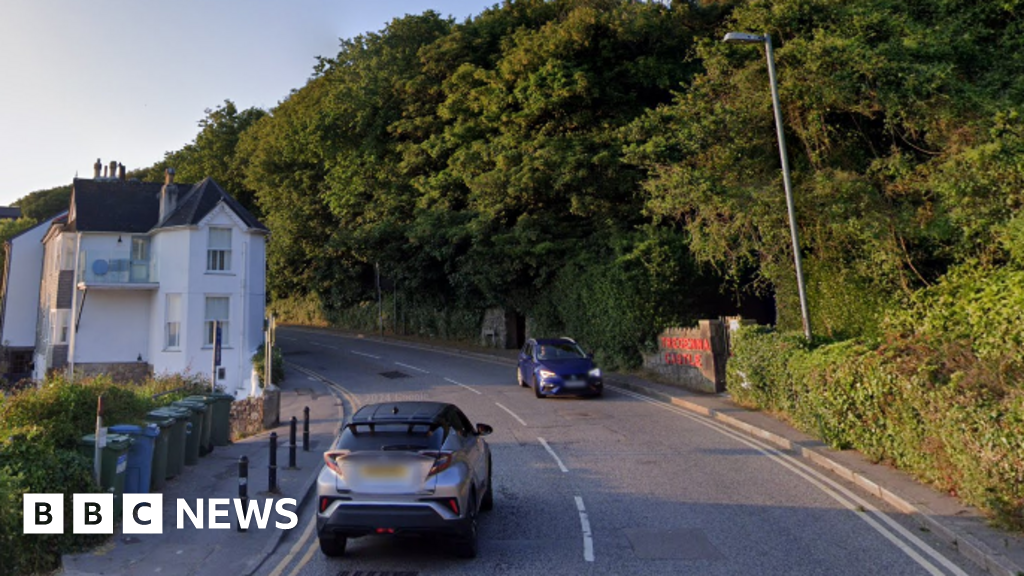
column 305, row 429
column 97, row 454
column 213, row 372
column 272, row 479
column 291, row 442
column 243, row 485
column 770, row 54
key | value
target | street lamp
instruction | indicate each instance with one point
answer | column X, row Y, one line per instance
column 744, row 38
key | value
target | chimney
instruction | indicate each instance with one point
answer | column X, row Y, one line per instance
column 97, row 168
column 113, row 169
column 120, row 172
column 105, row 171
column 168, row 195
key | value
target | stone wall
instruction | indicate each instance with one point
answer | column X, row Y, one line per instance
column 500, row 329
column 254, row 415
column 137, row 372
column 692, row 357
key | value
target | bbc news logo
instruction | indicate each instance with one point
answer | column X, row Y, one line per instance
column 144, row 513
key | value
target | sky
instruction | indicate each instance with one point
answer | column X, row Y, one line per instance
column 129, row 80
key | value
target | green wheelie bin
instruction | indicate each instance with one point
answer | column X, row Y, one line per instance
column 178, row 437
column 158, row 475
column 113, row 463
column 206, row 440
column 195, row 431
column 221, row 435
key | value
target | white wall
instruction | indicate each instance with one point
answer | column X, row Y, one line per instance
column 114, row 326
column 25, row 271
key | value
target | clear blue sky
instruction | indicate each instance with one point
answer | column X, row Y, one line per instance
column 128, row 80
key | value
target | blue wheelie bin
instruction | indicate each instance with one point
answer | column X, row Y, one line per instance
column 140, row 456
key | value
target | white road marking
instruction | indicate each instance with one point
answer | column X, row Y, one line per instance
column 471, row 389
column 364, row 354
column 553, row 455
column 289, row 339
column 500, row 405
column 412, row 368
column 848, row 499
column 295, row 549
column 588, row 540
column 311, row 378
column 465, row 356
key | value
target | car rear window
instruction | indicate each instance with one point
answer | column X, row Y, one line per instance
column 361, row 437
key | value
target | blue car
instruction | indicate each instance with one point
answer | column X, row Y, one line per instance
column 558, row 367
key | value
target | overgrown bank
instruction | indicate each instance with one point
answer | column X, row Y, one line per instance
column 941, row 397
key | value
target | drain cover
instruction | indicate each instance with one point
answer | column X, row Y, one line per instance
column 394, row 374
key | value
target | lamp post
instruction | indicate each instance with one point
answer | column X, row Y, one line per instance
column 744, row 38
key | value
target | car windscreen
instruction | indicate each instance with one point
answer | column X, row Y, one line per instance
column 401, row 437
column 559, row 351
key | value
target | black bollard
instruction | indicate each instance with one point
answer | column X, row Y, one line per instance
column 243, row 485
column 273, row 463
column 305, row 429
column 291, row 445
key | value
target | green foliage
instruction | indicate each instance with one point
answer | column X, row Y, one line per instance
column 45, row 203
column 39, row 433
column 277, row 366
column 931, row 407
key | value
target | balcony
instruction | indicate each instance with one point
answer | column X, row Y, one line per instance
column 116, row 270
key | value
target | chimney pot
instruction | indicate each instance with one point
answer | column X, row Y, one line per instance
column 96, row 169
column 169, row 176
column 113, row 168
column 120, row 172
column 105, row 171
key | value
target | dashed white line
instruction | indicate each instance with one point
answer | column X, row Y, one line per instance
column 412, row 368
column 553, row 455
column 588, row 540
column 288, row 339
column 511, row 412
column 364, row 354
column 470, row 388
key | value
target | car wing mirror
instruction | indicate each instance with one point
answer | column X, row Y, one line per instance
column 483, row 429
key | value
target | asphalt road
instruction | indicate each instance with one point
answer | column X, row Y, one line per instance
column 615, row 485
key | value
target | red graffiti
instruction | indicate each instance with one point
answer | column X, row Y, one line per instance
column 673, row 358
column 701, row 344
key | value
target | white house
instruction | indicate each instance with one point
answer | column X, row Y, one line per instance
column 19, row 299
column 137, row 273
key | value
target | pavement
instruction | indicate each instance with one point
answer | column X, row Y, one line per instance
column 964, row 527
column 194, row 552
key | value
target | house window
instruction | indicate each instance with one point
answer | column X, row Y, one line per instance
column 217, row 309
column 59, row 322
column 172, row 335
column 218, row 252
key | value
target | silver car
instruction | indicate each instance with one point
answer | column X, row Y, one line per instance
column 405, row 468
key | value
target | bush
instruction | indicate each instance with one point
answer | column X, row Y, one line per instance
column 933, row 408
column 277, row 368
column 39, row 433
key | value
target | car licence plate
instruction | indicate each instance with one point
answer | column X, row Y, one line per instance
column 383, row 471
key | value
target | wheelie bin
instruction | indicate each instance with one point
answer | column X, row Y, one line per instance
column 206, row 440
column 195, row 433
column 113, row 463
column 177, row 439
column 158, row 473
column 221, row 435
column 140, row 456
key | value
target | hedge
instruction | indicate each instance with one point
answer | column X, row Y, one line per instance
column 39, row 433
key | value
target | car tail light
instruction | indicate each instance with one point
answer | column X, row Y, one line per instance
column 331, row 460
column 443, row 459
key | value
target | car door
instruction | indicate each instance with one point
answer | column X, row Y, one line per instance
column 473, row 447
column 526, row 364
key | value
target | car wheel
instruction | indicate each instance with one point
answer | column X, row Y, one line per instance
column 536, row 389
column 332, row 545
column 488, row 502
column 466, row 545
column 519, row 377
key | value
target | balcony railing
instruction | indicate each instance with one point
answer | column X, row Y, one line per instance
column 106, row 267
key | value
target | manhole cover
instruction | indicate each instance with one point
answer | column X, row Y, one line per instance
column 394, row 374
column 677, row 544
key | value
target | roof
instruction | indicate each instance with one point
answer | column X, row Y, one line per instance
column 200, row 200
column 399, row 412
column 134, row 207
column 12, row 212
column 43, row 222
